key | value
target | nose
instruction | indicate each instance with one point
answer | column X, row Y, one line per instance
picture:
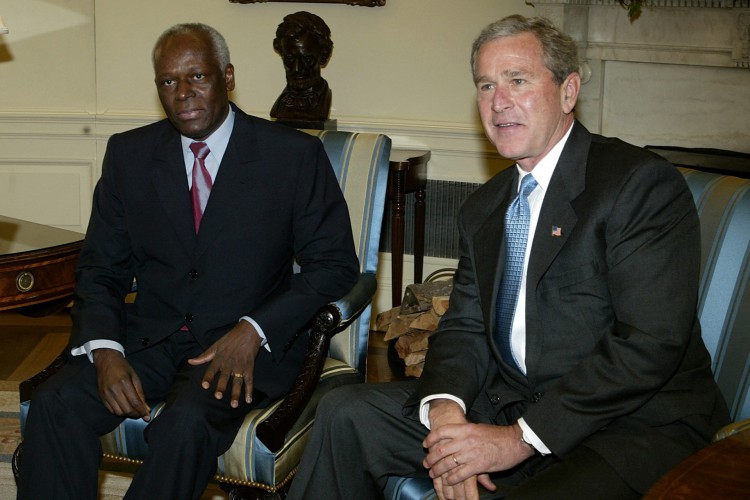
column 298, row 67
column 184, row 90
column 500, row 100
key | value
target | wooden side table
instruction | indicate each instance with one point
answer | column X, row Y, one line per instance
column 407, row 174
column 721, row 470
column 37, row 266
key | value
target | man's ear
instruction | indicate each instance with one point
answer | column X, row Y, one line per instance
column 569, row 92
column 229, row 77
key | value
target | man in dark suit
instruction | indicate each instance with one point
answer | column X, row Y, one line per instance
column 218, row 323
column 592, row 380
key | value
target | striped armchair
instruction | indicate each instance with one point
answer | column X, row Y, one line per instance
column 265, row 454
column 723, row 204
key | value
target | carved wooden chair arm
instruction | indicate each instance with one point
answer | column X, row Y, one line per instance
column 329, row 320
column 26, row 388
column 732, row 429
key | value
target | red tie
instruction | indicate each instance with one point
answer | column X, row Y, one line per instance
column 201, row 181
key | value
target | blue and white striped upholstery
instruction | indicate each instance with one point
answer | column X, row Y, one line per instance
column 360, row 161
column 361, row 164
column 723, row 204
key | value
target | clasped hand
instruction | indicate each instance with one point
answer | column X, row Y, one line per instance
column 231, row 362
column 462, row 454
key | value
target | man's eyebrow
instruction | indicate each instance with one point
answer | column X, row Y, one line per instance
column 514, row 73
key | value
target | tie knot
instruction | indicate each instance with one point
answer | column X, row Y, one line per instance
column 528, row 183
column 200, row 150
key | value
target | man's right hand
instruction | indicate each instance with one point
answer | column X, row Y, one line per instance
column 444, row 412
column 119, row 385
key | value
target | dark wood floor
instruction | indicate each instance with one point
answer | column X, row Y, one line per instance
column 27, row 345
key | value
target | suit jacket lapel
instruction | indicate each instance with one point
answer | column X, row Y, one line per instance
column 170, row 181
column 230, row 186
column 568, row 181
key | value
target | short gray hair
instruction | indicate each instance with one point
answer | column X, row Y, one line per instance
column 218, row 43
column 560, row 50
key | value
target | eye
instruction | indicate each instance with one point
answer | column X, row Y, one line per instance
column 167, row 82
column 485, row 87
column 199, row 76
column 517, row 81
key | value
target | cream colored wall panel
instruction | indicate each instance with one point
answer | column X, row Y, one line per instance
column 691, row 106
column 53, row 193
column 47, row 61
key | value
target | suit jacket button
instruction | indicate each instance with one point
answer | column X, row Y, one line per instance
column 193, row 274
column 188, row 318
column 536, row 397
column 495, row 399
column 145, row 341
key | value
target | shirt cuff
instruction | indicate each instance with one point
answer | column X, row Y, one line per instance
column 263, row 339
column 530, row 437
column 424, row 406
column 89, row 347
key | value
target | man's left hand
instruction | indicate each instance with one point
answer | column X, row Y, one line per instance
column 459, row 452
column 232, row 359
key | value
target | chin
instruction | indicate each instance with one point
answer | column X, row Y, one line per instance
column 193, row 132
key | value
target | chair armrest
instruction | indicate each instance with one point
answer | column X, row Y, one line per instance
column 329, row 320
column 335, row 316
column 26, row 388
column 731, row 429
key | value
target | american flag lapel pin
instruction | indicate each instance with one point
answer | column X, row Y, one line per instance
column 556, row 231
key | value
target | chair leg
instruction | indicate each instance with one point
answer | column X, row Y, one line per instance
column 16, row 462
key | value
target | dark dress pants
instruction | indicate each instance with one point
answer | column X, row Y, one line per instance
column 361, row 437
column 61, row 447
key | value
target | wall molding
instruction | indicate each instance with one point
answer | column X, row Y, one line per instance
column 709, row 4
column 667, row 32
column 459, row 151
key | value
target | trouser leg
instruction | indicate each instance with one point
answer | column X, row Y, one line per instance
column 581, row 474
column 360, row 438
column 61, row 448
column 185, row 440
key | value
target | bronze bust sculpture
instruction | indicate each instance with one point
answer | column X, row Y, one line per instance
column 303, row 40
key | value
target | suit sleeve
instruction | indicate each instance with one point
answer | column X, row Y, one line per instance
column 323, row 249
column 458, row 358
column 103, row 275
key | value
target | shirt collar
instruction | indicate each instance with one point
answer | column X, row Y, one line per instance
column 217, row 141
column 546, row 167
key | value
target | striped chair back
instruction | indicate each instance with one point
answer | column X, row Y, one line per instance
column 364, row 190
column 723, row 204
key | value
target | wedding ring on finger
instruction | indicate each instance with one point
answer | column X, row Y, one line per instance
column 454, row 460
column 238, row 375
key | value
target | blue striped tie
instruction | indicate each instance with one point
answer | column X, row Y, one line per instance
column 517, row 220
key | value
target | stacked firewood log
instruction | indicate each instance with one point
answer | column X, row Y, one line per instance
column 412, row 323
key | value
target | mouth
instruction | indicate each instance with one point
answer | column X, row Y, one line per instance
column 506, row 125
column 188, row 114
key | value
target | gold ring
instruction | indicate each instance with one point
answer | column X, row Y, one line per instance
column 238, row 375
column 454, row 460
